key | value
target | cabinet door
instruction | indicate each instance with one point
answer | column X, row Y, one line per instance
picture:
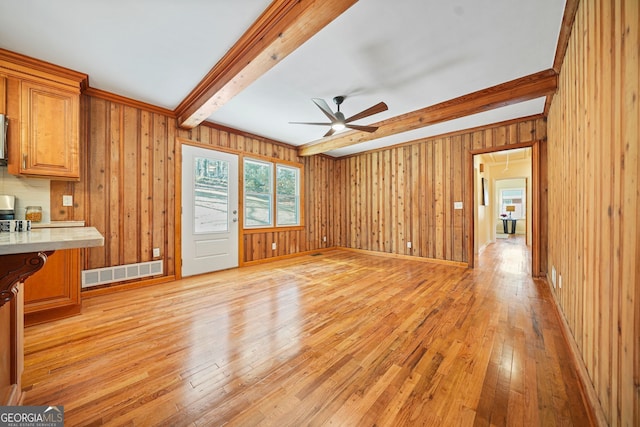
column 54, row 291
column 49, row 131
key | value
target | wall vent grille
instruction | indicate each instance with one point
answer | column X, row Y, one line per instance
column 119, row 273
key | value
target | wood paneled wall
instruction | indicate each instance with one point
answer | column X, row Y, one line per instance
column 594, row 207
column 127, row 188
column 376, row 201
column 387, row 198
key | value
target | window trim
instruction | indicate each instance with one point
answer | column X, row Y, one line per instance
column 300, row 184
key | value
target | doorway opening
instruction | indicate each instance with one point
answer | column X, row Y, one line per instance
column 505, row 183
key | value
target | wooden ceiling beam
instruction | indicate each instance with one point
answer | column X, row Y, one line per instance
column 283, row 27
column 512, row 92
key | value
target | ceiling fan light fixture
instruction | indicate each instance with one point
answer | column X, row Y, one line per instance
column 338, row 126
column 338, row 122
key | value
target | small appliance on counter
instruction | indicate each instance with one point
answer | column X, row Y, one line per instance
column 7, row 207
column 8, row 215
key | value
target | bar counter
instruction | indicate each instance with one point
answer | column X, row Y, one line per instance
column 22, row 254
column 49, row 239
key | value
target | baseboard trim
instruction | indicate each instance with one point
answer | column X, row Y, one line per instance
column 14, row 397
column 588, row 393
column 288, row 256
column 118, row 287
column 407, row 257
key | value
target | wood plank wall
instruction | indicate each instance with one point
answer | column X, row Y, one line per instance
column 389, row 197
column 127, row 186
column 375, row 201
column 594, row 209
column 126, row 190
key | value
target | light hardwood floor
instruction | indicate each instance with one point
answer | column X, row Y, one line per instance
column 340, row 338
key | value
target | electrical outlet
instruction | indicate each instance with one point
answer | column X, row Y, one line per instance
column 67, row 200
column 553, row 276
column 324, row 239
column 408, row 245
column 156, row 252
column 273, row 246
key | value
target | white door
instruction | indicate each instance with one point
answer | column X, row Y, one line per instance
column 209, row 210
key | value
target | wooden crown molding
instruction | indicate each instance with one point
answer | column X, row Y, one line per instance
column 283, row 27
column 449, row 135
column 570, row 10
column 112, row 97
column 23, row 64
column 512, row 92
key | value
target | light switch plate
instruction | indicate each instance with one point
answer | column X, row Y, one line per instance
column 457, row 205
column 67, row 200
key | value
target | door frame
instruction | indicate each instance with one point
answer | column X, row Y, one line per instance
column 536, row 231
column 178, row 198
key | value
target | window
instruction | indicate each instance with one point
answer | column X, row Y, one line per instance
column 513, row 197
column 287, row 195
column 271, row 194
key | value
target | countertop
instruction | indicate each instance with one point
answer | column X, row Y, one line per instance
column 57, row 224
column 49, row 239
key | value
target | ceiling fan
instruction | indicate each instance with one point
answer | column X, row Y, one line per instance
column 338, row 122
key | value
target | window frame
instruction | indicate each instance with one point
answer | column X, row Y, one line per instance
column 274, row 226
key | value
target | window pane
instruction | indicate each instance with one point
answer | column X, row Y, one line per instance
column 257, row 210
column 513, row 197
column 286, row 180
column 287, row 210
column 287, row 200
column 211, row 190
column 257, row 177
column 258, row 193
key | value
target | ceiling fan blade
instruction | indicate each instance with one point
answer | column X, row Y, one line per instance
column 363, row 128
column 322, row 104
column 310, row 123
column 329, row 133
column 378, row 108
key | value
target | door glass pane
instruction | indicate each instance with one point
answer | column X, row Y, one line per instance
column 211, row 191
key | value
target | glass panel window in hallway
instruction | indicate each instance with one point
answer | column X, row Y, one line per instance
column 513, row 197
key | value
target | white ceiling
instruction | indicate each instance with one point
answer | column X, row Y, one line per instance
column 408, row 53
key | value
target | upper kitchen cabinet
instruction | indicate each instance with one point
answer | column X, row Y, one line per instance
column 42, row 105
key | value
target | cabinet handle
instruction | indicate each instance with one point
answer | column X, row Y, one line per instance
column 24, row 161
column 3, row 136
